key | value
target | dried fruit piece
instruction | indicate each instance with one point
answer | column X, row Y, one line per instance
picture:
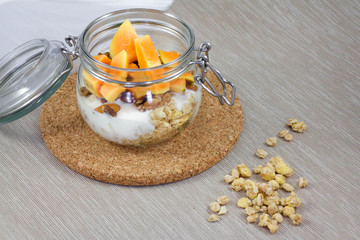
column 84, row 92
column 110, row 109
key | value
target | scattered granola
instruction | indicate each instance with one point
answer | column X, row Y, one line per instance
column 287, row 187
column 244, row 202
column 288, row 137
column 271, row 141
column 261, row 153
column 213, row 218
column 228, row 179
column 222, row 200
column 302, row 182
column 252, row 218
column 296, row 219
column 296, row 125
column 214, row 207
column 283, row 133
column 223, row 210
column 258, row 169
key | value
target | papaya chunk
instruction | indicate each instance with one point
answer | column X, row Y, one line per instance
column 124, row 40
column 91, row 83
column 167, row 57
column 111, row 91
column 146, row 53
column 121, row 60
column 178, row 85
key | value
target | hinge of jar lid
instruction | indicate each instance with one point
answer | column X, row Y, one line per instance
column 72, row 41
column 202, row 60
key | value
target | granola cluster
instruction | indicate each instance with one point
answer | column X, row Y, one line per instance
column 263, row 202
column 167, row 120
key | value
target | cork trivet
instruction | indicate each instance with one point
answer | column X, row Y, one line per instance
column 204, row 143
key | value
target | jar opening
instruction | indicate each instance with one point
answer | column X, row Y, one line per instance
column 168, row 33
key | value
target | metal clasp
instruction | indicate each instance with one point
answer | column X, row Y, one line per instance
column 72, row 41
column 202, row 60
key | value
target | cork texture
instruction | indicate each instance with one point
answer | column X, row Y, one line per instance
column 205, row 142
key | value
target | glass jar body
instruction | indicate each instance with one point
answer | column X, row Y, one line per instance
column 143, row 106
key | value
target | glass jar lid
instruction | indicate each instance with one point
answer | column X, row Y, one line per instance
column 29, row 75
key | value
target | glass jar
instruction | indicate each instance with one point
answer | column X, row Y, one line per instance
column 126, row 106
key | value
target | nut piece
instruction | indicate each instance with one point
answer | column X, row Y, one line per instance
column 284, row 169
column 278, row 217
column 264, row 220
column 271, row 141
column 267, row 174
column 258, row 169
column 273, row 227
column 213, row 218
column 235, row 173
column 223, row 200
column 252, row 218
column 261, row 153
column 303, row 182
column 287, row 187
column 214, row 207
column 84, row 92
column 228, row 179
column 244, row 202
column 287, row 211
column 296, row 219
column 280, row 179
column 288, row 137
column 283, row 133
column 222, row 211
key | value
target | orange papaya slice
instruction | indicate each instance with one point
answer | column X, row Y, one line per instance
column 124, row 40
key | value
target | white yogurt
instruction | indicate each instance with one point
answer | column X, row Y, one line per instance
column 128, row 124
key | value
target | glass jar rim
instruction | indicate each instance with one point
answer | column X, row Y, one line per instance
column 183, row 56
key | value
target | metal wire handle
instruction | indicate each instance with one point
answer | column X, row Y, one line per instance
column 73, row 42
column 202, row 60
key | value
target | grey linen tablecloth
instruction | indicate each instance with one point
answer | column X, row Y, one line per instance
column 288, row 59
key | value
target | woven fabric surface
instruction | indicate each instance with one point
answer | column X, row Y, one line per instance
column 288, row 59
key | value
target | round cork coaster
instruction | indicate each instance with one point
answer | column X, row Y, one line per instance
column 205, row 142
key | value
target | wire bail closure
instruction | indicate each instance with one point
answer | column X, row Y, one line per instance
column 72, row 41
column 202, row 60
